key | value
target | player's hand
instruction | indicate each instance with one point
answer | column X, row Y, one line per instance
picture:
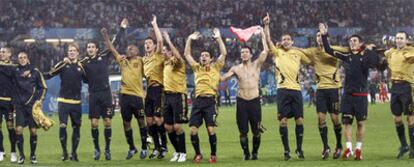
column 166, row 36
column 216, row 33
column 266, row 19
column 26, row 74
column 123, row 57
column 66, row 60
column 370, row 46
column 124, row 23
column 104, row 33
column 154, row 20
column 195, row 36
column 278, row 45
column 323, row 28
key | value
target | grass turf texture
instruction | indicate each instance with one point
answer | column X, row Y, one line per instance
column 379, row 147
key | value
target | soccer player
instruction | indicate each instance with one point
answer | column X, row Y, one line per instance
column 131, row 93
column 100, row 96
column 71, row 74
column 399, row 60
column 289, row 96
column 30, row 88
column 153, row 69
column 327, row 94
column 354, row 102
column 248, row 98
column 175, row 100
column 6, row 107
column 207, row 78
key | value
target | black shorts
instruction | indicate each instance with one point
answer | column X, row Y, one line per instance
column 401, row 99
column 100, row 104
column 131, row 106
column 354, row 106
column 204, row 108
column 74, row 111
column 24, row 116
column 175, row 108
column 327, row 100
column 153, row 101
column 6, row 111
column 289, row 104
column 249, row 111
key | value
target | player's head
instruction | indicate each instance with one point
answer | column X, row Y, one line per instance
column 92, row 48
column 166, row 51
column 5, row 53
column 287, row 41
column 73, row 51
column 132, row 51
column 401, row 39
column 149, row 44
column 23, row 58
column 205, row 57
column 355, row 42
column 246, row 53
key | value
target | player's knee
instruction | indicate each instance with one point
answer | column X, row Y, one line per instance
column 283, row 121
column 9, row 125
column 242, row 135
column 360, row 123
column 127, row 125
column 33, row 131
column 107, row 122
column 62, row 125
column 410, row 120
column 299, row 121
column 141, row 123
column 397, row 119
column 347, row 120
column 210, row 130
column 193, row 130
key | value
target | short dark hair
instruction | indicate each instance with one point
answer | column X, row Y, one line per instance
column 93, row 42
column 150, row 38
column 286, row 34
column 206, row 50
column 356, row 36
column 247, row 47
column 403, row 32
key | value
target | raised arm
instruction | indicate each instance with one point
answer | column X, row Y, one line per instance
column 264, row 53
column 158, row 35
column 323, row 29
column 172, row 47
column 266, row 22
column 109, row 45
column 223, row 51
column 187, row 51
column 227, row 75
column 117, row 41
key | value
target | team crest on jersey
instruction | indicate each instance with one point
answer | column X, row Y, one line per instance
column 99, row 58
column 67, row 66
column 79, row 69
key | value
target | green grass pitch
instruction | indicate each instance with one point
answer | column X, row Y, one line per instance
column 379, row 148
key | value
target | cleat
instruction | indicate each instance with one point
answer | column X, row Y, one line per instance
column 403, row 150
column 175, row 157
column 97, row 155
column 182, row 158
column 162, row 154
column 287, row 156
column 325, row 153
column 337, row 153
column 197, row 158
column 154, row 153
column 131, row 153
column 21, row 160
column 143, row 154
column 64, row 157
column 254, row 156
column 347, row 153
column 411, row 155
column 300, row 155
column 33, row 160
column 358, row 154
column 74, row 157
column 108, row 155
column 2, row 155
column 13, row 157
column 213, row 159
column 246, row 157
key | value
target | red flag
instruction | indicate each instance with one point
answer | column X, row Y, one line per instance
column 244, row 34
